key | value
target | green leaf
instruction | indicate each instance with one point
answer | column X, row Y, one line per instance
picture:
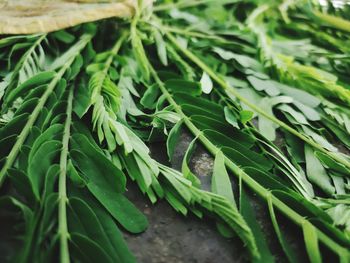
column 249, row 215
column 290, row 253
column 94, row 228
column 230, row 117
column 266, row 126
column 64, row 36
column 95, row 166
column 140, row 54
column 330, row 163
column 9, row 203
column 220, row 182
column 106, row 183
column 173, row 139
column 311, row 242
column 42, row 159
column 185, row 169
column 161, row 47
column 183, row 86
column 23, row 184
column 246, row 116
column 316, row 172
column 149, row 98
column 87, row 250
column 37, row 80
column 206, row 83
column 264, row 85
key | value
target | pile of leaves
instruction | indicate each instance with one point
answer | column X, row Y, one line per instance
column 263, row 86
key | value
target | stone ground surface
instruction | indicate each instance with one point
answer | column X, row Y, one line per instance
column 173, row 238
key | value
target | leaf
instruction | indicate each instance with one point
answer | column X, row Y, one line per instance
column 316, row 173
column 207, row 107
column 230, row 117
column 87, row 249
column 106, row 183
column 23, row 184
column 298, row 117
column 265, row 85
column 243, row 60
column 266, row 126
column 173, row 139
column 35, row 81
column 220, row 182
column 41, row 161
column 246, row 116
column 248, row 214
column 330, row 163
column 95, row 166
column 311, row 241
column 8, row 203
column 185, row 169
column 140, row 54
column 319, row 139
column 301, row 96
column 95, row 228
column 290, row 253
column 309, row 112
column 81, row 100
column 64, row 36
column 161, row 47
column 150, row 97
column 183, row 86
column 206, row 83
column 216, row 204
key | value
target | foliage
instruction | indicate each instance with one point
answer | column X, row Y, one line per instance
column 79, row 108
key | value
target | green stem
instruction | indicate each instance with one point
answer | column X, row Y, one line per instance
column 257, row 109
column 62, row 187
column 114, row 51
column 110, row 58
column 186, row 4
column 333, row 21
column 179, row 31
column 10, row 159
column 236, row 170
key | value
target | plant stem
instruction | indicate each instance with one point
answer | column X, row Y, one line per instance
column 110, row 58
column 10, row 159
column 186, row 4
column 179, row 31
column 333, row 21
column 114, row 51
column 236, row 170
column 257, row 109
column 62, row 187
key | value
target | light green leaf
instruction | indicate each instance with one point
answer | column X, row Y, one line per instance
column 311, row 242
column 173, row 139
column 220, row 182
column 161, row 47
column 206, row 83
column 316, row 173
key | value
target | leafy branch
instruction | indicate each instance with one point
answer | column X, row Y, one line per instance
column 254, row 185
column 10, row 159
column 62, row 183
column 230, row 90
